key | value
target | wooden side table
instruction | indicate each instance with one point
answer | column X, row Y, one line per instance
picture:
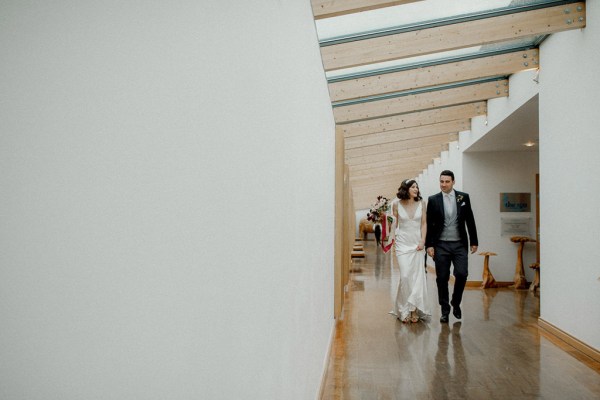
column 520, row 281
column 488, row 278
column 536, row 280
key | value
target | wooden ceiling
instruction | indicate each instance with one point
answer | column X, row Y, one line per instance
column 397, row 120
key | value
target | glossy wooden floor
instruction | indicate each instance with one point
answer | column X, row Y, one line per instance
column 496, row 352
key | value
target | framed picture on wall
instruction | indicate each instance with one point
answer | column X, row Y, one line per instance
column 515, row 202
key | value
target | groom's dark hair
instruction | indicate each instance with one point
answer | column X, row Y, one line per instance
column 447, row 172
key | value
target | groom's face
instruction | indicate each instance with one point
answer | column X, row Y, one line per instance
column 446, row 183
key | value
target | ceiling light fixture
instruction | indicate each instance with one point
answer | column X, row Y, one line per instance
column 529, row 144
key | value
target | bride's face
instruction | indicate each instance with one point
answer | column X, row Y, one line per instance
column 413, row 191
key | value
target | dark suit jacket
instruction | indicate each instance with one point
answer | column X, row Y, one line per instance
column 435, row 219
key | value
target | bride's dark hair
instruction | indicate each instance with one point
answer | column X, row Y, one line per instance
column 403, row 193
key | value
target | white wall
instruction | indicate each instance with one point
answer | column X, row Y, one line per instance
column 569, row 165
column 125, row 270
column 486, row 175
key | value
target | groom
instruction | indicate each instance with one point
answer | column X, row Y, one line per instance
column 449, row 218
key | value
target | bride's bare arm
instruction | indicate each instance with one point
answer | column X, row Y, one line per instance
column 394, row 223
column 421, row 245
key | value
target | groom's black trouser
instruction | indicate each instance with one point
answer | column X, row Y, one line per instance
column 445, row 254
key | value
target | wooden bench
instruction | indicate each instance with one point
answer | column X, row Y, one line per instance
column 357, row 254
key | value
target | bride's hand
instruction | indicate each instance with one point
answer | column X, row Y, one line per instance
column 420, row 246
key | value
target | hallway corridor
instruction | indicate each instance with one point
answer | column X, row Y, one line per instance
column 495, row 352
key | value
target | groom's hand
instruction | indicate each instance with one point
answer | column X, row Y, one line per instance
column 430, row 252
column 473, row 249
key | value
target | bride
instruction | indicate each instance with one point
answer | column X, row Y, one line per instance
column 410, row 227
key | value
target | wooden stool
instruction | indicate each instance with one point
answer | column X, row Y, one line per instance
column 357, row 254
column 488, row 278
column 520, row 281
column 536, row 280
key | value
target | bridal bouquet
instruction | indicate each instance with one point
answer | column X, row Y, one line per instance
column 378, row 210
column 378, row 213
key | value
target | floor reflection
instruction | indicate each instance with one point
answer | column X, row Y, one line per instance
column 495, row 352
column 488, row 296
column 379, row 264
column 450, row 378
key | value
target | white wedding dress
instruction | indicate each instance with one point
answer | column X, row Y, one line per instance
column 412, row 287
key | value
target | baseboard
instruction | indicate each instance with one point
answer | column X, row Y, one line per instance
column 473, row 284
column 470, row 284
column 327, row 360
column 570, row 340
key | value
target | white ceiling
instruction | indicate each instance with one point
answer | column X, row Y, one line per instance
column 520, row 127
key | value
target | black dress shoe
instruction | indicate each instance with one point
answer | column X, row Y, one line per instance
column 456, row 312
column 444, row 318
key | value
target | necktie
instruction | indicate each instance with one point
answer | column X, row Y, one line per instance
column 448, row 205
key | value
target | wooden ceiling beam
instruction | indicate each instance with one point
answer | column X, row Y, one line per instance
column 393, row 169
column 399, row 169
column 398, row 174
column 370, row 192
column 477, row 68
column 407, row 134
column 333, row 8
column 402, row 173
column 396, row 163
column 387, row 179
column 409, row 120
column 433, row 151
column 453, row 36
column 390, row 183
column 421, row 101
column 443, row 138
column 387, row 189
